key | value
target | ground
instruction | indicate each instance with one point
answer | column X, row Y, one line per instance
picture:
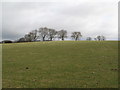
column 60, row 64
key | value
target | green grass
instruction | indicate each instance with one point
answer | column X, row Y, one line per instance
column 61, row 64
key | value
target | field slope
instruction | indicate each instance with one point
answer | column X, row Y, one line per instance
column 61, row 64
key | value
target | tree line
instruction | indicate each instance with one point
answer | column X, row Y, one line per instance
column 48, row 34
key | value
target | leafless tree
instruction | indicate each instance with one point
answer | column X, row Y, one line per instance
column 98, row 38
column 31, row 36
column 28, row 37
column 76, row 35
column 95, row 39
column 34, row 35
column 101, row 38
column 43, row 32
column 62, row 34
column 89, row 38
column 51, row 34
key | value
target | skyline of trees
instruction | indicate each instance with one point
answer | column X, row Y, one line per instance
column 48, row 34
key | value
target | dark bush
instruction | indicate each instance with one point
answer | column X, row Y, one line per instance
column 7, row 41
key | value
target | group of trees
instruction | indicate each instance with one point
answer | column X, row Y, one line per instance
column 98, row 38
column 48, row 34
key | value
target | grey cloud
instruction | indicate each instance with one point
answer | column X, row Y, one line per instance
column 90, row 18
column 10, row 35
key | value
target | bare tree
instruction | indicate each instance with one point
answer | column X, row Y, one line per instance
column 62, row 34
column 89, row 38
column 51, row 34
column 34, row 35
column 103, row 38
column 98, row 38
column 43, row 32
column 31, row 36
column 76, row 35
column 27, row 38
column 95, row 39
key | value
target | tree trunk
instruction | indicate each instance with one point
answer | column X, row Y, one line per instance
column 62, row 39
column 76, row 39
column 43, row 38
column 50, row 38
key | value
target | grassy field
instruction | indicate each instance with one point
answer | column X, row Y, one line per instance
column 61, row 64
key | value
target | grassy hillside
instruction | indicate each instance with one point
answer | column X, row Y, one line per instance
column 60, row 64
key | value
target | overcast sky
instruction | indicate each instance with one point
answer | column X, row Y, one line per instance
column 90, row 17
